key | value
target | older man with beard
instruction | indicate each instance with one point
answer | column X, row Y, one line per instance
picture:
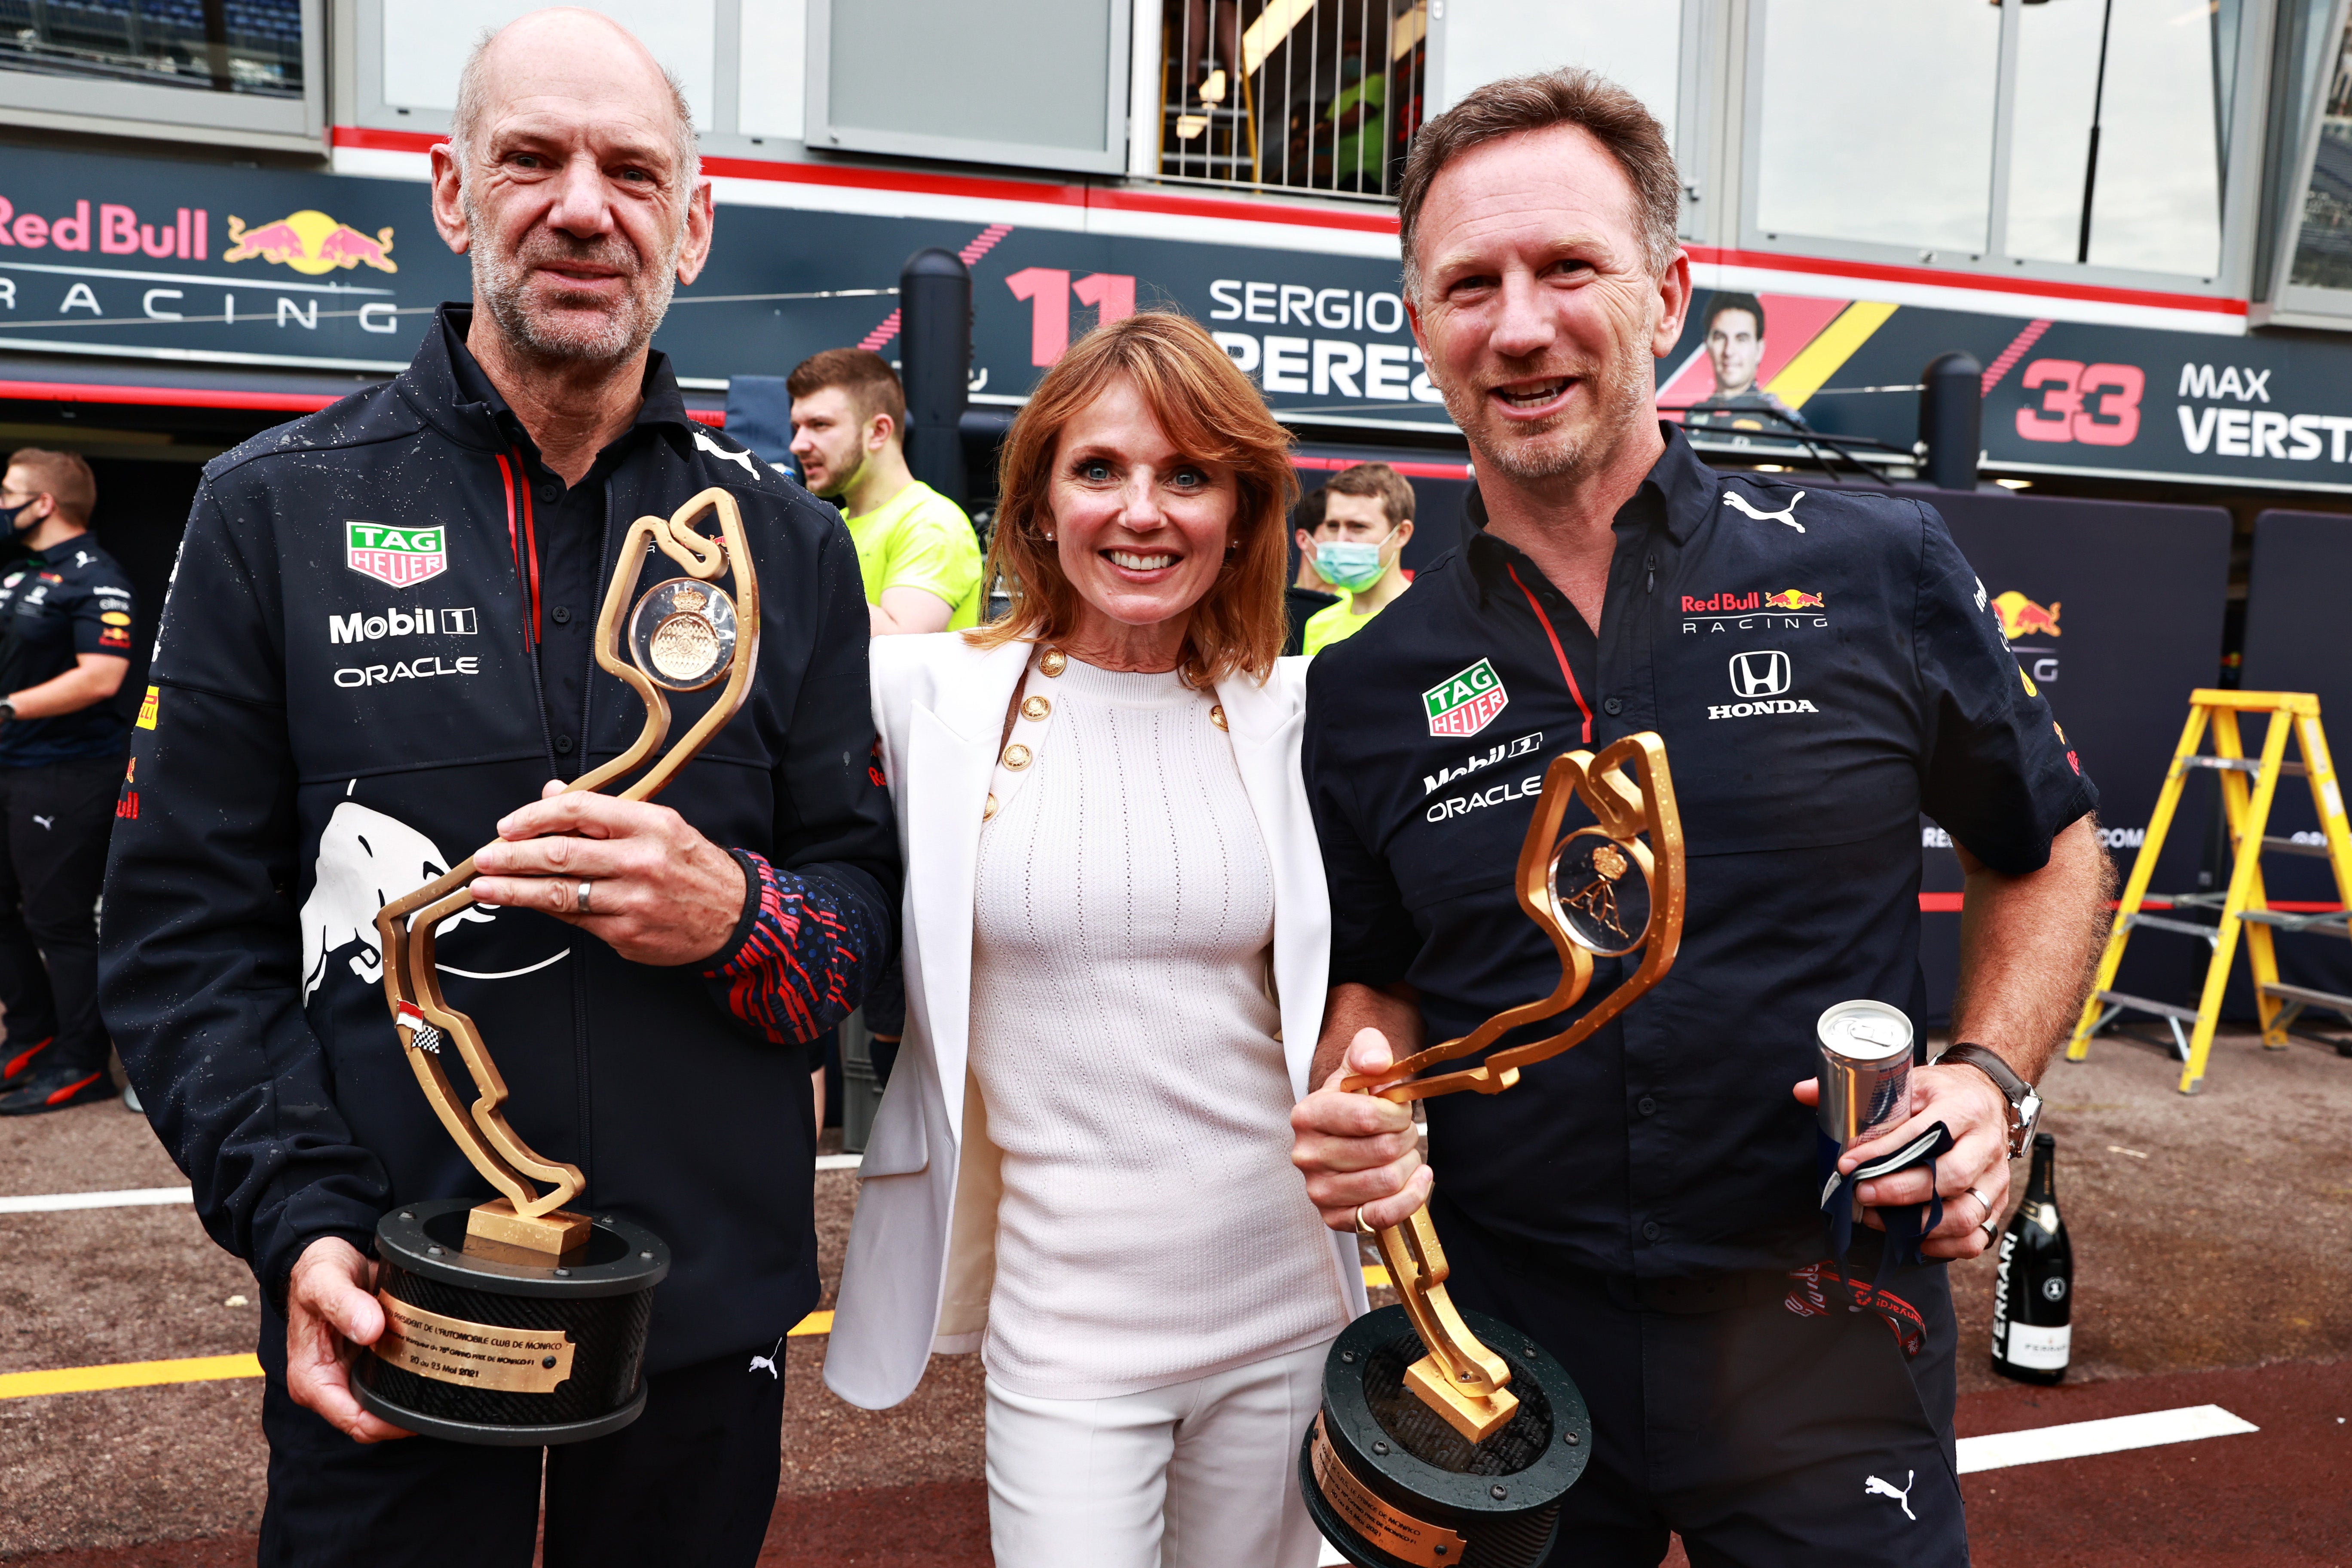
column 1649, row 1206
column 377, row 655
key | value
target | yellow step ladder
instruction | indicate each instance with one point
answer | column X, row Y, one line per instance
column 2249, row 784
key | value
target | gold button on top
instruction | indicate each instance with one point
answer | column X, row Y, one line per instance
column 1217, row 716
column 988, row 810
column 1016, row 756
column 1035, row 707
column 1054, row 662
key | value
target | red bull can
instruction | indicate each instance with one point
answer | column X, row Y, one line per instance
column 1865, row 1051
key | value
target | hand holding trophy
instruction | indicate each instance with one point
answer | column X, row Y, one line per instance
column 517, row 1322
column 1448, row 1437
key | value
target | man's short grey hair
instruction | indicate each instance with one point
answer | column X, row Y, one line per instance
column 1570, row 96
column 466, row 120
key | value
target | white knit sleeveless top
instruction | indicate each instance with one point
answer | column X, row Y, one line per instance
column 1152, row 1228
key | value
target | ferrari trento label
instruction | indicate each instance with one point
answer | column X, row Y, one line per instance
column 403, row 557
column 477, row 1356
column 1466, row 702
column 1398, row 1535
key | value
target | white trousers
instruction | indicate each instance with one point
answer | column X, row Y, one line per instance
column 1201, row 1474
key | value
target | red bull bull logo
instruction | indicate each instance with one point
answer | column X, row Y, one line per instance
column 310, row 242
column 2022, row 618
column 1794, row 599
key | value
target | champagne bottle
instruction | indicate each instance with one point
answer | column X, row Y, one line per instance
column 2033, row 1300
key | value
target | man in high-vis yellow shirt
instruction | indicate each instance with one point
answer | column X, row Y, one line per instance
column 915, row 548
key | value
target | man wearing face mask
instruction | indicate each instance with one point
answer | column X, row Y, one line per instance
column 65, row 644
column 1367, row 523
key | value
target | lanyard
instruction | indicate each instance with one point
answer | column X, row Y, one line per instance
column 1556, row 652
column 527, row 537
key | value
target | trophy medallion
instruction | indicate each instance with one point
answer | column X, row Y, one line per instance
column 1448, row 1437
column 518, row 1321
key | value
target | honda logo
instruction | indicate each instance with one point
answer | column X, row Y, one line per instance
column 1761, row 674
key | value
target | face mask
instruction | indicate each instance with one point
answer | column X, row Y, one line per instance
column 1349, row 565
column 18, row 521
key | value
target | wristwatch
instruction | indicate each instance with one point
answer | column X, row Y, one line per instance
column 8, row 711
column 2024, row 1105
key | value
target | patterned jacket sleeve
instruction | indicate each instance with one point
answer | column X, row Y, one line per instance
column 821, row 899
column 800, row 957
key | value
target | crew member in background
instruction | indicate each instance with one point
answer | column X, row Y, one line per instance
column 1308, row 595
column 1367, row 521
column 916, row 549
column 65, row 645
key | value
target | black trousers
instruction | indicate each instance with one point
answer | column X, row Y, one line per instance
column 690, row 1484
column 54, row 821
column 1784, row 1429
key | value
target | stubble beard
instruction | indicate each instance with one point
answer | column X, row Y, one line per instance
column 1549, row 451
column 503, row 279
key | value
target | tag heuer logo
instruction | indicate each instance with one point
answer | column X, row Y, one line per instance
column 1465, row 703
column 400, row 556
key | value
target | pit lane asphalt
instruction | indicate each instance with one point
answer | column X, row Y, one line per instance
column 2213, row 1248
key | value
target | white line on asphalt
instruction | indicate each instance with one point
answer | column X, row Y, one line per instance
column 2080, row 1439
column 133, row 1197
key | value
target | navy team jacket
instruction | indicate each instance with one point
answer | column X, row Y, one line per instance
column 344, row 703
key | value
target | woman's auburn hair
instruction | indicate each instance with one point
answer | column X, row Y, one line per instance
column 1209, row 411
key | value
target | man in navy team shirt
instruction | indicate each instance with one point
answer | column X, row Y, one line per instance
column 65, row 645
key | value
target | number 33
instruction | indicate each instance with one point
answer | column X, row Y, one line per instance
column 2096, row 405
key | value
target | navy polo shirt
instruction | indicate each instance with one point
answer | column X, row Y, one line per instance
column 1825, row 668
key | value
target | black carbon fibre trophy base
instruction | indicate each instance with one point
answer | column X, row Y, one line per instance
column 509, row 1354
column 1391, row 1485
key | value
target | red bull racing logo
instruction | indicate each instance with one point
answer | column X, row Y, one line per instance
column 1794, row 599
column 310, row 242
column 2022, row 618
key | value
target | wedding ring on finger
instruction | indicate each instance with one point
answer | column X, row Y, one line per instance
column 582, row 895
column 1991, row 1229
column 1361, row 1228
column 1984, row 1203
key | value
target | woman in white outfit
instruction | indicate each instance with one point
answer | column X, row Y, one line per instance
column 1116, row 940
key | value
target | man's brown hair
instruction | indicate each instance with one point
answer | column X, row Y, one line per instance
column 64, row 477
column 1570, row 96
column 1212, row 414
column 873, row 387
column 1380, row 481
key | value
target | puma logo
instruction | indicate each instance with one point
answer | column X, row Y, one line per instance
column 722, row 454
column 767, row 1363
column 45, row 821
column 1874, row 1486
column 1787, row 514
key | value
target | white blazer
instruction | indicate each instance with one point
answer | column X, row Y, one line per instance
column 922, row 1248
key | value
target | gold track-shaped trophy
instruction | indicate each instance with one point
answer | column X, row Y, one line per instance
column 1447, row 1438
column 517, row 1321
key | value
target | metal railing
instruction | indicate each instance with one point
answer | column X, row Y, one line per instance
column 1300, row 95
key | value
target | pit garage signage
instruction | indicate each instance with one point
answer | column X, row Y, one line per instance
column 2058, row 398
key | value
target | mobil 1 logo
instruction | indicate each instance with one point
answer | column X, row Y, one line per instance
column 362, row 627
